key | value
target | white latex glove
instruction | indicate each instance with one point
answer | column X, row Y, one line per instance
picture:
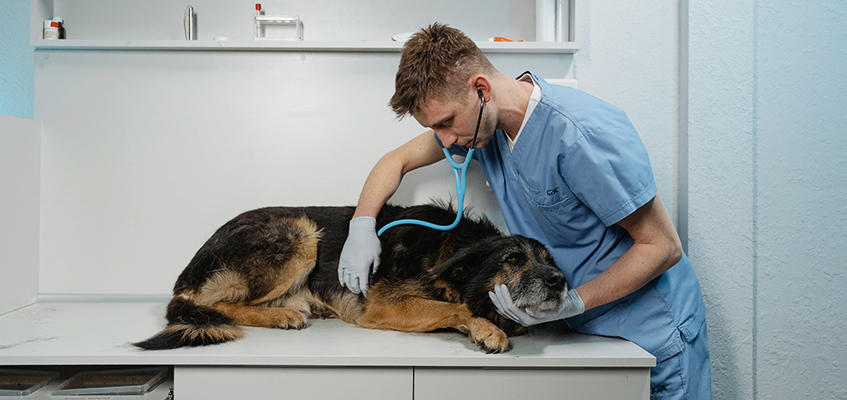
column 503, row 301
column 360, row 251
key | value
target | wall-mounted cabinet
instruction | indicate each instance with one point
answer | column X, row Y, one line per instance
column 333, row 25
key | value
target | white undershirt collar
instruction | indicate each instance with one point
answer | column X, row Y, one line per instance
column 534, row 98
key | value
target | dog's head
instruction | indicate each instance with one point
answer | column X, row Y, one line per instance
column 524, row 265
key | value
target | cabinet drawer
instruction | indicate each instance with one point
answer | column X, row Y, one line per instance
column 529, row 383
column 206, row 383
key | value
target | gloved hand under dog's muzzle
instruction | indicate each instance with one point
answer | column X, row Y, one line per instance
column 503, row 301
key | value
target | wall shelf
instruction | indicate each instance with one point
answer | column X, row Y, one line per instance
column 284, row 46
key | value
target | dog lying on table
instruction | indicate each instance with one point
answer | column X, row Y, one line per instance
column 276, row 267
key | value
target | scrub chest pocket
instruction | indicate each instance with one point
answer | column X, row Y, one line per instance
column 556, row 209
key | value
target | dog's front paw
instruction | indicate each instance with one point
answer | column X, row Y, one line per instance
column 291, row 319
column 488, row 336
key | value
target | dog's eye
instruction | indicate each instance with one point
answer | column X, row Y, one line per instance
column 515, row 259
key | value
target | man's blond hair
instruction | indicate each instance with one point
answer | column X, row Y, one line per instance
column 436, row 62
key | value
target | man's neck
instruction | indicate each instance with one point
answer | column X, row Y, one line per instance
column 514, row 101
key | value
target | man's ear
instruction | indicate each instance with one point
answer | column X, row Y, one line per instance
column 480, row 82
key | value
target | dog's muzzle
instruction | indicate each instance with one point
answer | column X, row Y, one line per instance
column 543, row 291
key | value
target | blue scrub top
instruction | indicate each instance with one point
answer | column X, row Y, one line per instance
column 577, row 169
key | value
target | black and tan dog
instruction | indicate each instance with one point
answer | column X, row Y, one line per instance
column 276, row 267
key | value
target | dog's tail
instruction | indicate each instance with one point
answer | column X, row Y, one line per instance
column 191, row 324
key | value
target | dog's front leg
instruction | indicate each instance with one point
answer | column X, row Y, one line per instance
column 415, row 314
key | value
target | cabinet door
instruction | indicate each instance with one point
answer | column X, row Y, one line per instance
column 349, row 383
column 528, row 383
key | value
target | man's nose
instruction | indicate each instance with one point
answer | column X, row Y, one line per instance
column 446, row 137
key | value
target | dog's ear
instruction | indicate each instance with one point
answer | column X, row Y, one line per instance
column 457, row 261
column 465, row 257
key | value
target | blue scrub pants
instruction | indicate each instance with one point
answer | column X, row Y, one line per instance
column 687, row 375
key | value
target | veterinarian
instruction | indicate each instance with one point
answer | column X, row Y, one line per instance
column 568, row 170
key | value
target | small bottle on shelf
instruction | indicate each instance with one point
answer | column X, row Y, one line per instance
column 51, row 30
column 61, row 26
column 258, row 27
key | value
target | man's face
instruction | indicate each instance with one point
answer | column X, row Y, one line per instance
column 454, row 122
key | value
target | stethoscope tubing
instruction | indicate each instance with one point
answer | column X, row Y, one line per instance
column 460, row 172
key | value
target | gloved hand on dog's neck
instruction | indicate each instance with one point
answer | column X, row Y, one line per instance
column 360, row 251
column 503, row 301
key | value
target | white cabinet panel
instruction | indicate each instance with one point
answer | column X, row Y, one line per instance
column 350, row 383
column 528, row 383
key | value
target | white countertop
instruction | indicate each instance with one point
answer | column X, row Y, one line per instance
column 98, row 332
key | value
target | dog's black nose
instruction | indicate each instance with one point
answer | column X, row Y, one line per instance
column 555, row 280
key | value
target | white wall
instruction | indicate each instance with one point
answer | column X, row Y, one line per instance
column 146, row 153
column 19, row 170
column 629, row 58
column 767, row 193
column 801, row 197
column 720, row 185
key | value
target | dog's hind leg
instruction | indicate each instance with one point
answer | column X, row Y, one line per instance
column 260, row 290
column 416, row 314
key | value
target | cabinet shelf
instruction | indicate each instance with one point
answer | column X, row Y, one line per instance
column 282, row 46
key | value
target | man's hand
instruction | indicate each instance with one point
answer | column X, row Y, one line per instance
column 360, row 251
column 503, row 301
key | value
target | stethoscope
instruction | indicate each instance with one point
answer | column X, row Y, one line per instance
column 460, row 172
